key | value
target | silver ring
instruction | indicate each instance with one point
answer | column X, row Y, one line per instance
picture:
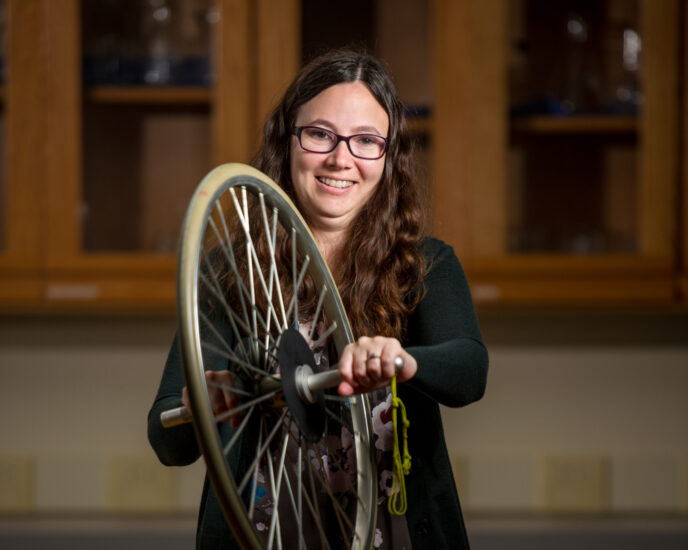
column 372, row 356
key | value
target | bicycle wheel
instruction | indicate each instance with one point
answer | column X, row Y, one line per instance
column 256, row 297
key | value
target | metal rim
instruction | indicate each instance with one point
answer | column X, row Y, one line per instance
column 236, row 185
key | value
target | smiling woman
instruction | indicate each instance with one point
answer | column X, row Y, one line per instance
column 338, row 146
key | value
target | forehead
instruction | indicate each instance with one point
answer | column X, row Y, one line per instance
column 345, row 107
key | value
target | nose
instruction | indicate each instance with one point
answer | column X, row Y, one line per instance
column 340, row 155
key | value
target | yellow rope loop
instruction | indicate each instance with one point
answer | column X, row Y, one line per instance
column 397, row 503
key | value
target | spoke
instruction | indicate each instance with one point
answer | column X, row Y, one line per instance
column 228, row 250
column 230, row 445
column 277, row 490
column 231, row 315
column 225, row 415
column 256, row 471
column 299, row 485
column 294, row 300
column 228, row 388
column 211, row 326
column 243, row 293
column 271, row 236
column 273, row 278
column 261, row 450
column 295, row 297
column 249, row 262
column 338, row 398
column 215, row 289
column 315, row 511
column 339, row 419
column 326, row 334
column 338, row 510
column 229, row 352
column 296, row 508
column 251, row 252
column 230, row 356
column 323, row 291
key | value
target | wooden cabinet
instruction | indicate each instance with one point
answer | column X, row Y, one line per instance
column 581, row 208
column 103, row 156
column 559, row 205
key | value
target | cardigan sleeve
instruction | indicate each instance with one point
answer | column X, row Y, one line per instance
column 443, row 334
column 174, row 446
column 177, row 446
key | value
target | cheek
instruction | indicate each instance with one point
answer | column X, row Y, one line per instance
column 373, row 174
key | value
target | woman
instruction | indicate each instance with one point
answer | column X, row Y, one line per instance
column 338, row 145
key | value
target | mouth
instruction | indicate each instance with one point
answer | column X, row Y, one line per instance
column 338, row 184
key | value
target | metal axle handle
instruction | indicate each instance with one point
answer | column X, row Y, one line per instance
column 330, row 378
column 309, row 385
column 175, row 417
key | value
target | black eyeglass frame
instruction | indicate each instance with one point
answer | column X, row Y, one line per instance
column 297, row 130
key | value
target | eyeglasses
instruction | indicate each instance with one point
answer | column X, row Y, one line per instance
column 319, row 140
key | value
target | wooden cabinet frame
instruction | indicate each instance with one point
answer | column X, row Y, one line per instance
column 24, row 168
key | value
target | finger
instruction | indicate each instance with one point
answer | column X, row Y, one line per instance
column 345, row 364
column 345, row 389
column 185, row 398
column 374, row 367
column 360, row 366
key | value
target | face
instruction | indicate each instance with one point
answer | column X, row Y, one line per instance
column 331, row 188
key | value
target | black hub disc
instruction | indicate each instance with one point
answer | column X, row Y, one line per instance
column 294, row 352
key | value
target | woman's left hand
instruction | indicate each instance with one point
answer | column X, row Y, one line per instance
column 368, row 364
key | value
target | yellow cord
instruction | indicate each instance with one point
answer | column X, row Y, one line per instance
column 396, row 504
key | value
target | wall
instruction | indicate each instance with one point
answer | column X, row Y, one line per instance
column 583, row 414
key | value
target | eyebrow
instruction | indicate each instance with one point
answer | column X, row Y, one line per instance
column 358, row 130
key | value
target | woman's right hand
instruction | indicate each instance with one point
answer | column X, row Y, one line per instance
column 221, row 397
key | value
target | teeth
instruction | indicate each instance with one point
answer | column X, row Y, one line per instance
column 339, row 184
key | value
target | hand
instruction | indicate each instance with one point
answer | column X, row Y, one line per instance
column 368, row 364
column 221, row 397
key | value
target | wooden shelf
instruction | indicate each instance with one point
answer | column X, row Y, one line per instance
column 536, row 125
column 194, row 95
column 555, row 280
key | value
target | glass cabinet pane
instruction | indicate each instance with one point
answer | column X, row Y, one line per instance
column 397, row 32
column 146, row 119
column 575, row 94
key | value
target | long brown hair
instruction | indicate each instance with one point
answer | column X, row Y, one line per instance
column 381, row 284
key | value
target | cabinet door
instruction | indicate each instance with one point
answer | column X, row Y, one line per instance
column 553, row 185
column 125, row 148
column 21, row 162
column 145, row 99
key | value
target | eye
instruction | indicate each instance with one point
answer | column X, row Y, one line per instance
column 368, row 140
column 318, row 134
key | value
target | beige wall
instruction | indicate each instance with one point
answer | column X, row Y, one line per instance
column 582, row 413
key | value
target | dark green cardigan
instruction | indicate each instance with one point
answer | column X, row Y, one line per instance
column 444, row 337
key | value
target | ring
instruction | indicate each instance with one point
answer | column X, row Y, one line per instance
column 372, row 356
